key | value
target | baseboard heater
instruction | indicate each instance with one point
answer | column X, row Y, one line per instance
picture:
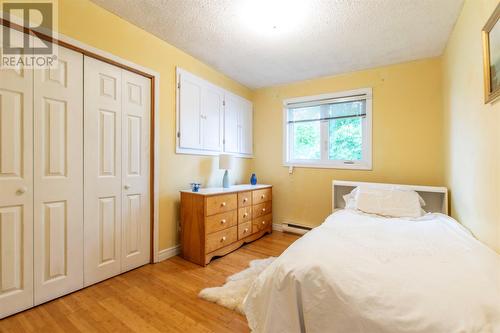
column 295, row 228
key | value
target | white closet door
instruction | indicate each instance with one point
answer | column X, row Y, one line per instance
column 246, row 128
column 212, row 121
column 136, row 101
column 189, row 100
column 58, row 177
column 231, row 124
column 102, row 165
column 16, row 190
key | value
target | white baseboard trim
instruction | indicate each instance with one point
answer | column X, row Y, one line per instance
column 169, row 253
column 277, row 226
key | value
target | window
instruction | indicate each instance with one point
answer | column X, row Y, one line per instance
column 329, row 131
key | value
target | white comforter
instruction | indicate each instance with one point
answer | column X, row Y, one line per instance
column 359, row 273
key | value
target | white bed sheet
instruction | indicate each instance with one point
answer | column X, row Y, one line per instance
column 360, row 273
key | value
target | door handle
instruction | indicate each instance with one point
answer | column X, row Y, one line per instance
column 22, row 190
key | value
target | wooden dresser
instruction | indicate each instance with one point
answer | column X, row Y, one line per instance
column 216, row 221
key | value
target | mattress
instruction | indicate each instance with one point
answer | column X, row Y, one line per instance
column 362, row 273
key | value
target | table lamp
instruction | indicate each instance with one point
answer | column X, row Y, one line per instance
column 225, row 163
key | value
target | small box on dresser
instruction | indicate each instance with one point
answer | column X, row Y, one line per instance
column 216, row 221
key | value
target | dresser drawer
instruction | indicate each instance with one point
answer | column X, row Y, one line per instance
column 244, row 214
column 221, row 203
column 220, row 221
column 262, row 223
column 261, row 209
column 259, row 196
column 221, row 238
column 244, row 199
column 244, row 230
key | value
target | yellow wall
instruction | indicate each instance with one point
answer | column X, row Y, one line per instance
column 90, row 24
column 408, row 123
column 407, row 137
column 472, row 129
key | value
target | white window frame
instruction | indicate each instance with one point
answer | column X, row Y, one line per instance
column 324, row 162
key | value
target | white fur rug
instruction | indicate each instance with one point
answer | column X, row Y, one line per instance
column 233, row 292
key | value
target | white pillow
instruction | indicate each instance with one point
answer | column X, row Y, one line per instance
column 391, row 202
column 350, row 199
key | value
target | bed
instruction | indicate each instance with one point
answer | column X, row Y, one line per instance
column 364, row 273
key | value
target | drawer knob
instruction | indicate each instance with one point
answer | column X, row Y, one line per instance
column 263, row 209
column 223, row 204
column 245, row 199
column 245, row 215
column 22, row 190
column 263, row 222
column 262, row 196
column 223, row 221
column 223, row 239
column 245, row 231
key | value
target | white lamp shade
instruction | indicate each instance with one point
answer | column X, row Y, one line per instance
column 225, row 161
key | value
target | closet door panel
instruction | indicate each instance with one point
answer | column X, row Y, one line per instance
column 136, row 110
column 246, row 128
column 190, row 94
column 16, row 190
column 231, row 129
column 212, row 121
column 103, row 170
column 58, row 177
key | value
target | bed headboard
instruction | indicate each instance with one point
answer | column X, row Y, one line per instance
column 436, row 198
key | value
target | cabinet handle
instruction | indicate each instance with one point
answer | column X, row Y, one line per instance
column 223, row 221
column 245, row 231
column 223, row 239
column 127, row 186
column 263, row 209
column 223, row 204
column 263, row 222
column 245, row 199
column 22, row 190
column 262, row 196
column 245, row 215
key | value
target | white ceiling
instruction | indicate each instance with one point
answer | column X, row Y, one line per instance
column 267, row 42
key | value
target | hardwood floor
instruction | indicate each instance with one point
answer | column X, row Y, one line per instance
column 152, row 298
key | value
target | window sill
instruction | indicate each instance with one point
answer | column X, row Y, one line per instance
column 319, row 165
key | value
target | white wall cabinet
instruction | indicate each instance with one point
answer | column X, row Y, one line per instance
column 211, row 120
column 200, row 116
column 73, row 139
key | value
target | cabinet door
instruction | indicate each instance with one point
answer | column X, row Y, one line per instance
column 136, row 110
column 16, row 190
column 58, row 177
column 246, row 128
column 211, row 114
column 189, row 111
column 237, row 125
column 103, row 170
column 231, row 124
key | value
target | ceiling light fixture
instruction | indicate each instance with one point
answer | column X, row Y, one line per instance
column 273, row 16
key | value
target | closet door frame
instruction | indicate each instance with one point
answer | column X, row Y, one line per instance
column 152, row 75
